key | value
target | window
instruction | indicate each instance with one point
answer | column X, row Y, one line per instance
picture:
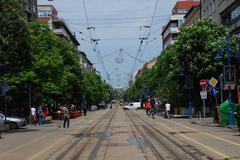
column 235, row 13
column 174, row 25
column 44, row 13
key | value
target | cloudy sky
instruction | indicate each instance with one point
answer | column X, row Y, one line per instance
column 119, row 26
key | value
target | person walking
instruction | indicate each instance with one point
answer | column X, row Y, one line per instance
column 148, row 106
column 60, row 116
column 238, row 118
column 153, row 107
column 1, row 127
column 167, row 110
column 40, row 115
column 34, row 115
column 66, row 118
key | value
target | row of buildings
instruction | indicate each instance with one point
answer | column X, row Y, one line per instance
column 185, row 13
column 48, row 14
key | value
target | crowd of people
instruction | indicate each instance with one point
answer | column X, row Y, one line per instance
column 153, row 104
column 62, row 113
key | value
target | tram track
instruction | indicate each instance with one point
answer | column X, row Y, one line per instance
column 154, row 150
column 101, row 138
column 80, row 136
column 189, row 150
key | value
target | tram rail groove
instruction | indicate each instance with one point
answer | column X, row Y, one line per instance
column 146, row 140
column 96, row 148
column 137, row 139
column 83, row 134
column 187, row 148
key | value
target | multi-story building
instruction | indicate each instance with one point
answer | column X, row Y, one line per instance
column 171, row 29
column 48, row 14
column 29, row 9
column 87, row 66
column 226, row 12
column 192, row 16
column 147, row 65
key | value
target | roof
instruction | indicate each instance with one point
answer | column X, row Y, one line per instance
column 186, row 4
column 62, row 23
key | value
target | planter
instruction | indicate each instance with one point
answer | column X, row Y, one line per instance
column 75, row 114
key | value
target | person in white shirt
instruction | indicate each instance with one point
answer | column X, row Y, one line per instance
column 167, row 109
column 33, row 113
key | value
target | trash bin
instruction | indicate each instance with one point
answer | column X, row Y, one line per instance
column 224, row 113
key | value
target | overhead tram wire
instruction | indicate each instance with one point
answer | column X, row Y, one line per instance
column 147, row 38
column 95, row 43
column 149, row 33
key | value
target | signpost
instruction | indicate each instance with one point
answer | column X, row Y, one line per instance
column 203, row 83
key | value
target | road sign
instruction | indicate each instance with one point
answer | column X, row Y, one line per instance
column 214, row 91
column 203, row 94
column 203, row 82
column 213, row 82
column 229, row 75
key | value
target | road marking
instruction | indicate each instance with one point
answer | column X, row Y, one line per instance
column 198, row 143
column 210, row 135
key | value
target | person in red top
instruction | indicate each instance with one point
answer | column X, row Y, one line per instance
column 148, row 106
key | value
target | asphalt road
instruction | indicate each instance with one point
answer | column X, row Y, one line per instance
column 115, row 134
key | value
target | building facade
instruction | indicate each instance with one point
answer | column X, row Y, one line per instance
column 48, row 14
column 225, row 12
column 171, row 29
column 29, row 8
column 87, row 66
column 192, row 16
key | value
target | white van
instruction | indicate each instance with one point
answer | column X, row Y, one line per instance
column 132, row 105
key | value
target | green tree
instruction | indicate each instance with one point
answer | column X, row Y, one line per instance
column 56, row 64
column 15, row 42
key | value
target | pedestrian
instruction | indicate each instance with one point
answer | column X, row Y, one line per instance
column 1, row 127
column 66, row 118
column 85, row 110
column 40, row 116
column 34, row 115
column 216, row 115
column 148, row 106
column 60, row 116
column 238, row 118
column 153, row 107
column 167, row 110
column 110, row 105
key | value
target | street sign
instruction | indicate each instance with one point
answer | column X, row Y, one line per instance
column 203, row 94
column 203, row 82
column 229, row 75
column 213, row 82
column 214, row 91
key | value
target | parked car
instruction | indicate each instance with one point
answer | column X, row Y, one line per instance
column 132, row 105
column 101, row 105
column 14, row 122
column 93, row 108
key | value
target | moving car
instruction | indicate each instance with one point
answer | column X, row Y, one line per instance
column 132, row 105
column 14, row 122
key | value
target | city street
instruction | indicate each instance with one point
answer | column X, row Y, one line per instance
column 116, row 134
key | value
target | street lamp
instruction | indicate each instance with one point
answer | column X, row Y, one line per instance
column 229, row 77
